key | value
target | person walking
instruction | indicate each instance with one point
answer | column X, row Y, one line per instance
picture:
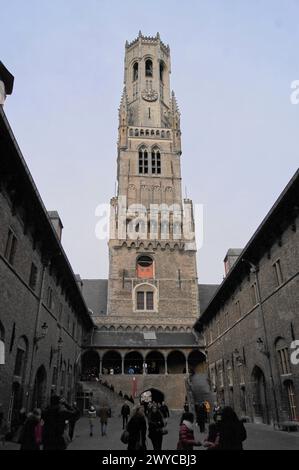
column 208, row 410
column 202, row 417
column 31, row 435
column 136, row 428
column 186, row 433
column 54, row 418
column 92, row 414
column 155, row 427
column 125, row 413
column 104, row 414
column 73, row 420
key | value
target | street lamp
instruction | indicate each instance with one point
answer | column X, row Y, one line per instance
column 44, row 331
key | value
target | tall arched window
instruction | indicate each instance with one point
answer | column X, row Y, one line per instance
column 2, row 345
column 148, row 68
column 156, row 161
column 135, row 71
column 143, row 161
column 283, row 356
column 21, row 358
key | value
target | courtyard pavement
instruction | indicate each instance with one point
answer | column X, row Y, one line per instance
column 260, row 437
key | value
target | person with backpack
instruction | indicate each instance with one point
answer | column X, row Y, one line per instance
column 125, row 413
column 230, row 432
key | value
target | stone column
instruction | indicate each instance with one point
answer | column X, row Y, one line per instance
column 187, row 365
column 166, row 368
column 101, row 367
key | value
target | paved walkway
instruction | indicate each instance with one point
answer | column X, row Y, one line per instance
column 260, row 437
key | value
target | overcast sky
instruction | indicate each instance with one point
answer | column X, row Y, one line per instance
column 233, row 63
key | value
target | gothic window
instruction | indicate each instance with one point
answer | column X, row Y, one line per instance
column 148, row 68
column 152, row 132
column 143, row 161
column 21, row 357
column 283, row 356
column 147, row 132
column 33, row 276
column 142, row 132
column 145, row 298
column 156, row 161
column 135, row 71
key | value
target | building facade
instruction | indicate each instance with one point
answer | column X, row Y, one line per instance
column 253, row 319
column 43, row 317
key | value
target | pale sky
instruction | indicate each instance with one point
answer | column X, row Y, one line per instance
column 233, row 63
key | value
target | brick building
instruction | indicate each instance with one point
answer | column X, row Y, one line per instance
column 43, row 317
column 253, row 318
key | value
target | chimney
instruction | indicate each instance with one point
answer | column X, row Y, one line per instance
column 231, row 257
column 56, row 222
column 6, row 83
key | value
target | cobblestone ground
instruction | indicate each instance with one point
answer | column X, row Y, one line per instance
column 260, row 437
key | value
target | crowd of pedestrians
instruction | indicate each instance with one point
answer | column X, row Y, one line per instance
column 53, row 428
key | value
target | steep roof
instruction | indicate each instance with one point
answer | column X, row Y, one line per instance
column 95, row 294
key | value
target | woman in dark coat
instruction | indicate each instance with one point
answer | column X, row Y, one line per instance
column 155, row 427
column 136, row 428
column 231, row 432
column 31, row 435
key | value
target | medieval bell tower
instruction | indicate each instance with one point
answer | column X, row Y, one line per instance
column 152, row 257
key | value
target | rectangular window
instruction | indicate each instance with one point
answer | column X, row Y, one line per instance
column 253, row 294
column 50, row 298
column 33, row 277
column 11, row 247
column 149, row 301
column 238, row 310
column 60, row 312
column 140, row 300
column 278, row 273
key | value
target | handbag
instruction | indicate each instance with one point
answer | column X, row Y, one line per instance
column 125, row 437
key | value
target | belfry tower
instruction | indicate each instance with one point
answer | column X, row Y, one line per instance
column 152, row 267
column 144, row 339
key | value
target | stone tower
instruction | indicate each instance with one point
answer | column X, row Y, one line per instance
column 152, row 253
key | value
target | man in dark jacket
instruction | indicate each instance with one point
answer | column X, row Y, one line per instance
column 125, row 412
column 54, row 418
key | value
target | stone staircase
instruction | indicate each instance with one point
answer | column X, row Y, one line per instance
column 199, row 386
column 103, row 396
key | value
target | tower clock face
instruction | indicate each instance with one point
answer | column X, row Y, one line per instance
column 149, row 95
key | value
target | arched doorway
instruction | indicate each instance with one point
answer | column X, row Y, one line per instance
column 197, row 362
column 112, row 363
column 155, row 363
column 152, row 395
column 90, row 365
column 259, row 398
column 40, row 388
column 133, row 363
column 176, row 363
